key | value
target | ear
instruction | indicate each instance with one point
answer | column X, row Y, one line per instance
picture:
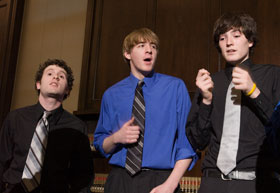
column 38, row 85
column 127, row 55
column 67, row 92
column 251, row 44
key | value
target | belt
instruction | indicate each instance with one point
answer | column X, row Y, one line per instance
column 234, row 175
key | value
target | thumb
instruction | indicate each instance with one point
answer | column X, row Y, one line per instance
column 130, row 122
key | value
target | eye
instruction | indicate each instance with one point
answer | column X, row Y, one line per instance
column 49, row 73
column 221, row 39
column 62, row 76
column 154, row 46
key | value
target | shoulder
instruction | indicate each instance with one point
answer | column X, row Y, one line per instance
column 269, row 67
column 23, row 111
column 71, row 120
column 20, row 116
column 164, row 78
column 117, row 86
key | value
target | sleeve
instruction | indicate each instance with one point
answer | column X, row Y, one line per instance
column 273, row 133
column 184, row 148
column 81, row 166
column 6, row 147
column 198, row 128
column 263, row 104
column 103, row 128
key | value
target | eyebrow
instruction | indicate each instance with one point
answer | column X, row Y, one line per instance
column 60, row 71
column 236, row 30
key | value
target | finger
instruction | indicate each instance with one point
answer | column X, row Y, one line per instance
column 205, row 77
column 131, row 141
column 237, row 81
column 129, row 122
column 134, row 128
column 201, row 72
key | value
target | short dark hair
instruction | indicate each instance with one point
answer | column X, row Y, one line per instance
column 241, row 21
column 60, row 63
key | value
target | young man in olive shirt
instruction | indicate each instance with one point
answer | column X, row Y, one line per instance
column 67, row 164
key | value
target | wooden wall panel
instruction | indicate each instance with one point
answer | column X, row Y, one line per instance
column 185, row 31
column 11, row 12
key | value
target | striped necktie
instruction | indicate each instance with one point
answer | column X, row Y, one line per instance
column 32, row 171
column 226, row 160
column 134, row 151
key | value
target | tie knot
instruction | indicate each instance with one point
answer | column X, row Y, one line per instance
column 140, row 83
column 46, row 114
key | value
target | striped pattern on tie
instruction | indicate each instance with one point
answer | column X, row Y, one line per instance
column 32, row 171
column 134, row 151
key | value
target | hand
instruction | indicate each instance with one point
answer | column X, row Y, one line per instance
column 128, row 133
column 242, row 80
column 205, row 84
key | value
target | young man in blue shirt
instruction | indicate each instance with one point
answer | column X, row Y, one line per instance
column 167, row 153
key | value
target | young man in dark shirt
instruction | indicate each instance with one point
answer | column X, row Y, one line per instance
column 46, row 154
column 231, row 108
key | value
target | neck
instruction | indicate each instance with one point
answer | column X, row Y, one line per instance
column 49, row 103
column 141, row 75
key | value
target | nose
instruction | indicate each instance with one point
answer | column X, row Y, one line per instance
column 55, row 76
column 229, row 41
column 149, row 49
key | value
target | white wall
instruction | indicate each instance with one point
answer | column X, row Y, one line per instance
column 51, row 29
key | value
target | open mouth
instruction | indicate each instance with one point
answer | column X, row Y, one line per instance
column 53, row 84
column 148, row 59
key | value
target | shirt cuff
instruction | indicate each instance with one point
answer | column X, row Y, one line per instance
column 204, row 110
column 187, row 154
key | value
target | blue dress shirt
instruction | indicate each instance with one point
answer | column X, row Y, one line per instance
column 167, row 106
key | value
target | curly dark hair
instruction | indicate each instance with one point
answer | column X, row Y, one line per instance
column 241, row 21
column 60, row 63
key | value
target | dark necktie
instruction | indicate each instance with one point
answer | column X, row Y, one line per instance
column 32, row 171
column 134, row 151
column 226, row 160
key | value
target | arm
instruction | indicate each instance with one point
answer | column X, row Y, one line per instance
column 107, row 138
column 185, row 156
column 127, row 134
column 198, row 125
column 174, row 178
column 5, row 149
column 263, row 106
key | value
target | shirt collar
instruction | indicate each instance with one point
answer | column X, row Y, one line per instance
column 148, row 80
column 55, row 114
column 247, row 63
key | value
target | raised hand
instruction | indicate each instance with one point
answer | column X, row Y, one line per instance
column 242, row 80
column 205, row 84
